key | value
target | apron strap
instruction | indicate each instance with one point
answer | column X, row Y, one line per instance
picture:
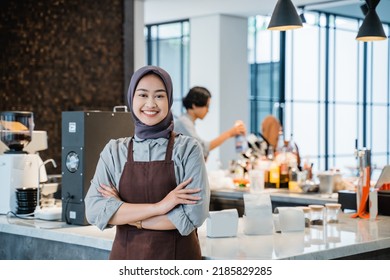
column 130, row 150
column 168, row 153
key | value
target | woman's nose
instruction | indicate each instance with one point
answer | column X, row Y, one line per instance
column 150, row 103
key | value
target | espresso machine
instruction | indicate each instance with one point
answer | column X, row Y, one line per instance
column 19, row 162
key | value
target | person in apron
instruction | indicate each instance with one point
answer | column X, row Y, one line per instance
column 135, row 186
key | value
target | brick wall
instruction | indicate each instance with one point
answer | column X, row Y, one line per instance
column 60, row 55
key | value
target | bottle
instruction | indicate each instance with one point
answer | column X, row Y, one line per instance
column 280, row 146
column 240, row 141
column 291, row 148
column 283, row 161
column 267, row 166
column 308, row 167
column 274, row 175
column 293, row 179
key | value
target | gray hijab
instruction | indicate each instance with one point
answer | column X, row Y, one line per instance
column 163, row 128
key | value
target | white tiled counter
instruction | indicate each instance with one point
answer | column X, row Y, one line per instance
column 350, row 238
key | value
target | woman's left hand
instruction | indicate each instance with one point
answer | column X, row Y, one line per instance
column 109, row 191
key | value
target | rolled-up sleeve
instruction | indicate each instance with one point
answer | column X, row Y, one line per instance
column 190, row 164
column 185, row 126
column 99, row 210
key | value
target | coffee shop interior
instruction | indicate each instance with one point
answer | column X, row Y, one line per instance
column 319, row 68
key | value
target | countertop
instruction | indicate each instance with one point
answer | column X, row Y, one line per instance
column 347, row 238
column 280, row 195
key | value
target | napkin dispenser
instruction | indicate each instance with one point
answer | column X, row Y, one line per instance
column 222, row 223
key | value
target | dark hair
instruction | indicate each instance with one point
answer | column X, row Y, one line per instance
column 197, row 96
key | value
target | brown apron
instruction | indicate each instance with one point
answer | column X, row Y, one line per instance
column 150, row 182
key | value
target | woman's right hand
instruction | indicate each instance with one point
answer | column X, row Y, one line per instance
column 178, row 195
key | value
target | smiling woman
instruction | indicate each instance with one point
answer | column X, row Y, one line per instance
column 153, row 187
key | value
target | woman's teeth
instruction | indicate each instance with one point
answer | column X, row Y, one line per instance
column 150, row 113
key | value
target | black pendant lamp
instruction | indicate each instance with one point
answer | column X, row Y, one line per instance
column 284, row 17
column 372, row 28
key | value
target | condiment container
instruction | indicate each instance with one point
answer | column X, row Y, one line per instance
column 317, row 215
column 307, row 214
column 332, row 212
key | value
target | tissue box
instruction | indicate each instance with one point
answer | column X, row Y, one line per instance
column 222, row 223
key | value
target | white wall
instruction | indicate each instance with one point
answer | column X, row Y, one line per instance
column 218, row 61
column 139, row 36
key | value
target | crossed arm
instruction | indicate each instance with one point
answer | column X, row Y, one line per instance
column 152, row 215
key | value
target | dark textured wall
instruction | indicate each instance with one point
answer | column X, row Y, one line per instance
column 60, row 55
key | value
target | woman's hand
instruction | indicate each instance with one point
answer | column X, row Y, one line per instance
column 108, row 191
column 178, row 195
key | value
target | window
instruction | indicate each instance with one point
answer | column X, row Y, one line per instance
column 167, row 46
column 326, row 88
column 335, row 89
column 264, row 66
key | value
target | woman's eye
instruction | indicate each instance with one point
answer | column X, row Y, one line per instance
column 142, row 95
column 160, row 96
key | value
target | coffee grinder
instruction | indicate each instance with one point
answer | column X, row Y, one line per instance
column 19, row 170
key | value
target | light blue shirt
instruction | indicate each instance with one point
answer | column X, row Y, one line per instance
column 188, row 161
column 186, row 126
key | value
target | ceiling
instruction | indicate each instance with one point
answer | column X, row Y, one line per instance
column 170, row 10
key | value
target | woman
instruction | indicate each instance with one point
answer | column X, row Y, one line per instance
column 152, row 186
column 197, row 104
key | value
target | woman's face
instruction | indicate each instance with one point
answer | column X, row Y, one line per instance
column 201, row 112
column 150, row 101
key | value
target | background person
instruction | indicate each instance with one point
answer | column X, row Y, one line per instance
column 196, row 103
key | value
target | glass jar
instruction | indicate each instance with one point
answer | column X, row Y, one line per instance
column 332, row 212
column 317, row 215
column 306, row 214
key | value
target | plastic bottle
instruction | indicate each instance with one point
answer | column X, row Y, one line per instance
column 240, row 144
column 240, row 141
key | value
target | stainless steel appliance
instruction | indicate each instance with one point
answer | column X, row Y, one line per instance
column 84, row 135
column 19, row 167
